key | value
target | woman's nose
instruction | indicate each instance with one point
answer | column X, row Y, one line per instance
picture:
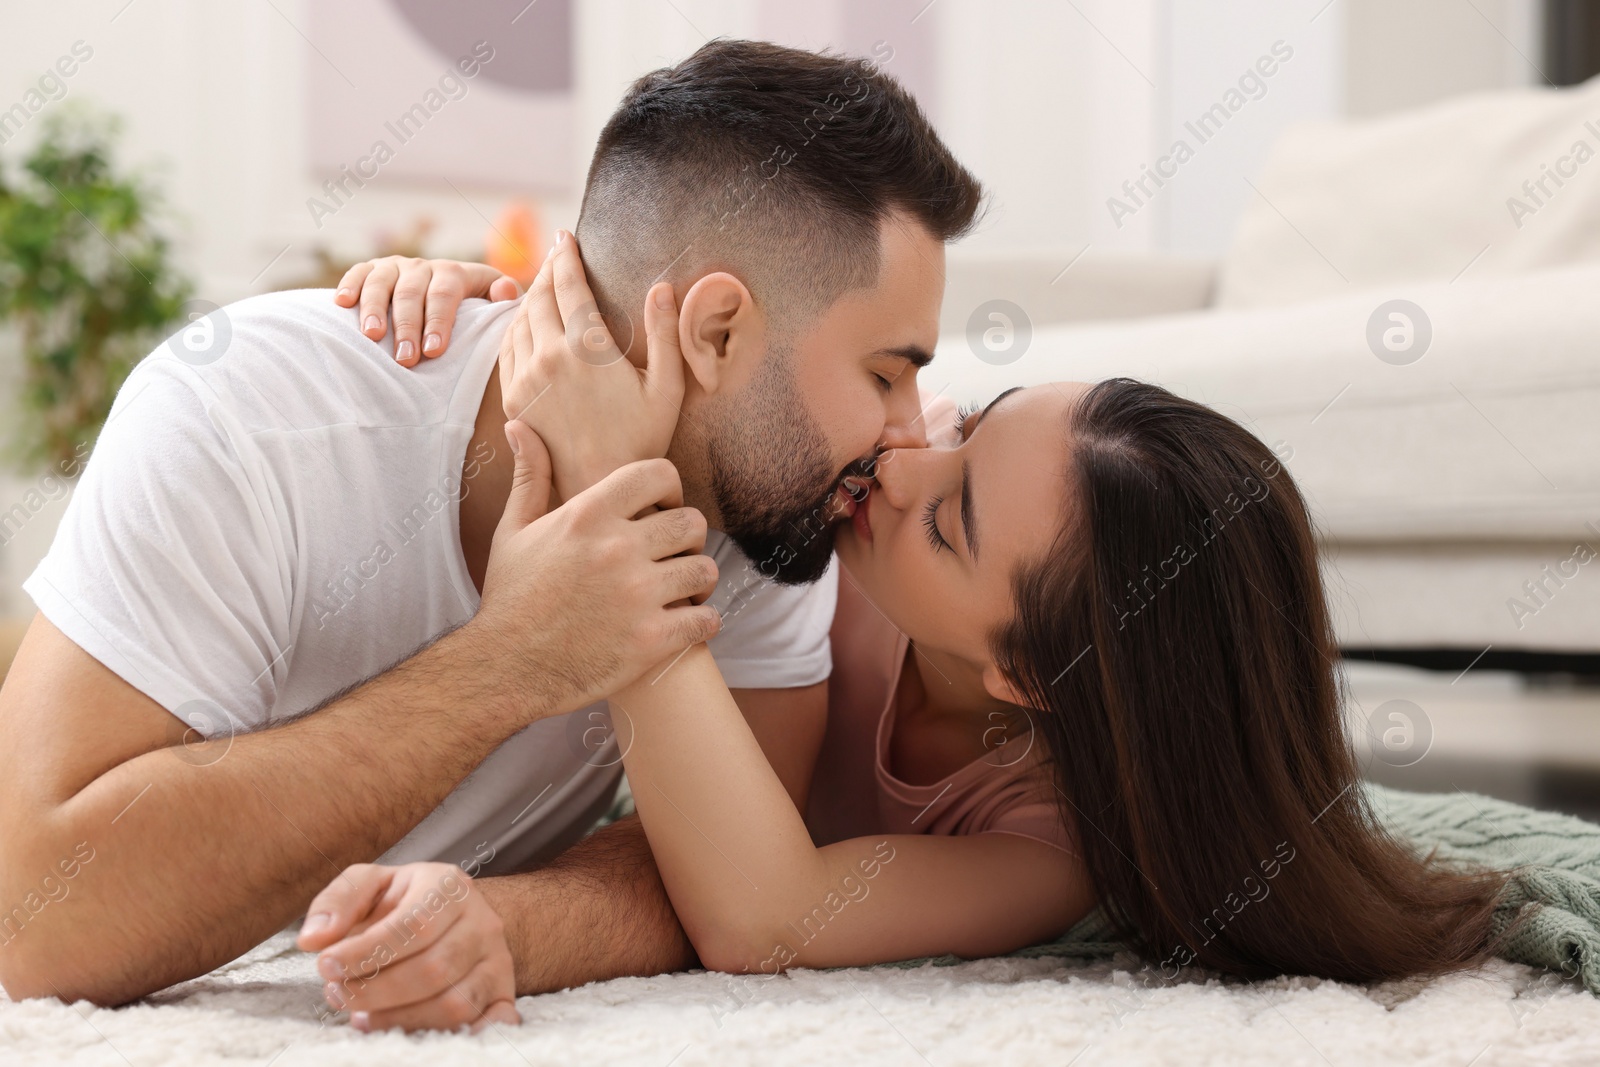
column 898, row 475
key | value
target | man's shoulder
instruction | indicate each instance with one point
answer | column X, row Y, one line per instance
column 314, row 309
column 287, row 319
column 297, row 360
column 300, row 305
column 290, row 315
column 259, row 334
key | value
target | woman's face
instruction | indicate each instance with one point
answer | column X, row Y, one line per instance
column 945, row 528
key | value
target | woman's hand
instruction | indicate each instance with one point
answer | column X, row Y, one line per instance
column 426, row 294
column 563, row 374
column 415, row 947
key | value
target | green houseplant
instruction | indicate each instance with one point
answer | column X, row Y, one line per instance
column 86, row 283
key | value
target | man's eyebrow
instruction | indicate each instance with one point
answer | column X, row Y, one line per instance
column 969, row 524
column 916, row 355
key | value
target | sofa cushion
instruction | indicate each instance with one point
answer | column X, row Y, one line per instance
column 1493, row 432
column 1482, row 186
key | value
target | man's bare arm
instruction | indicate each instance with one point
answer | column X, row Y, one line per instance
column 595, row 912
column 195, row 861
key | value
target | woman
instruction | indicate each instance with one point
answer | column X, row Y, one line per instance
column 1082, row 656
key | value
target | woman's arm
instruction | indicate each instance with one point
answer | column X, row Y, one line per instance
column 752, row 891
column 749, row 887
column 733, row 852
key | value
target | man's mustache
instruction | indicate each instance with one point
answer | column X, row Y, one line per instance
column 866, row 467
column 860, row 472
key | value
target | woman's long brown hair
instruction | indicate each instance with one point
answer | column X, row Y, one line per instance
column 1176, row 646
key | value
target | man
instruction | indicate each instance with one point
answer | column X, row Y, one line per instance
column 264, row 531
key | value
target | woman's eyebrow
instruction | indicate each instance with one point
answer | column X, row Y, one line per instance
column 971, row 425
column 969, row 524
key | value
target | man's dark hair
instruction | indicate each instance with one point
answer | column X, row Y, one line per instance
column 773, row 163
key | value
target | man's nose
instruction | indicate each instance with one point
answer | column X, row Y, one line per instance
column 905, row 426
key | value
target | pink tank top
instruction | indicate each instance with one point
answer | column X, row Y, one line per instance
column 1008, row 790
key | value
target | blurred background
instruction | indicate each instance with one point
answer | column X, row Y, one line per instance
column 1377, row 246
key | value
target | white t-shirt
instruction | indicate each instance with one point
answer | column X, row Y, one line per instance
column 272, row 518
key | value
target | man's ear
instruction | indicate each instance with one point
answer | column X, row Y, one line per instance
column 1000, row 687
column 719, row 329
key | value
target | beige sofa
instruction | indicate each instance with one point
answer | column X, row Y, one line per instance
column 1452, row 455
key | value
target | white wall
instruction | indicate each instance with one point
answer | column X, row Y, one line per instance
column 1046, row 103
column 1217, row 52
column 1405, row 53
column 1053, row 105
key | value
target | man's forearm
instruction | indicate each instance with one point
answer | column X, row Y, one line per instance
column 597, row 911
column 200, row 853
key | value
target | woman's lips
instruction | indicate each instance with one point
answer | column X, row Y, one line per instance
column 842, row 504
column 859, row 518
column 850, row 502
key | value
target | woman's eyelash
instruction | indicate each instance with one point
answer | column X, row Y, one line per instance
column 930, row 521
column 965, row 412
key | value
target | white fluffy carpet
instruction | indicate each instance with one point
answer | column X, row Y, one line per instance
column 262, row 1009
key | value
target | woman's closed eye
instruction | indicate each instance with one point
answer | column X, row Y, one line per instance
column 930, row 522
column 963, row 413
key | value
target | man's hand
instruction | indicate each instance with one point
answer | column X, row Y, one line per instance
column 582, row 600
column 426, row 294
column 415, row 947
column 563, row 374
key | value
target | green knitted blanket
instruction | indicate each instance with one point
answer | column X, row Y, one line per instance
column 1556, row 857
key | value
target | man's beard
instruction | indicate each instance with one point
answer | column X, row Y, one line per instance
column 773, row 479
